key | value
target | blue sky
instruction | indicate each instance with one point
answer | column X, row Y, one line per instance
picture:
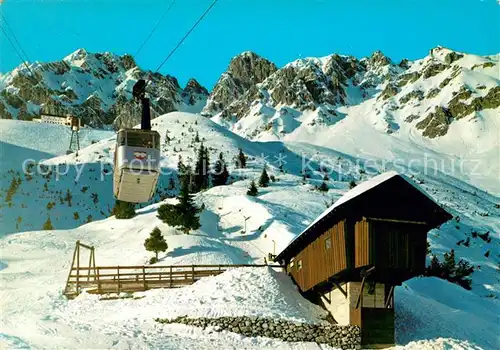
column 280, row 30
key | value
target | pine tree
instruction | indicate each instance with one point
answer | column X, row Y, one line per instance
column 241, row 161
column 219, row 172
column 181, row 169
column 123, row 210
column 323, row 187
column 167, row 138
column 252, row 190
column 48, row 224
column 201, row 174
column 352, row 184
column 197, row 137
column 171, row 183
column 184, row 214
column 449, row 263
column 68, row 197
column 156, row 242
column 264, row 178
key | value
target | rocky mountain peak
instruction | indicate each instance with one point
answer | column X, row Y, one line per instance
column 249, row 68
column 378, row 59
column 193, row 86
column 244, row 72
column 97, row 87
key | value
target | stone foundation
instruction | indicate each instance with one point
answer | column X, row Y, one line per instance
column 345, row 337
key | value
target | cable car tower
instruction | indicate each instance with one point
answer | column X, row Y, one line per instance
column 74, row 142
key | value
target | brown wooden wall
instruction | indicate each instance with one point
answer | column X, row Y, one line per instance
column 400, row 246
column 390, row 245
column 362, row 243
column 318, row 262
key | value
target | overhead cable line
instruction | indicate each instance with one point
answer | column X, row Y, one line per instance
column 20, row 56
column 15, row 38
column 154, row 28
column 187, row 34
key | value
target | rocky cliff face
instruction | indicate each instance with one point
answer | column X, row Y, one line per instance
column 428, row 94
column 238, row 82
column 95, row 87
column 258, row 100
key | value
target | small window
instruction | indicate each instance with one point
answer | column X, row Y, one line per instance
column 328, row 242
column 140, row 139
column 299, row 265
column 291, row 262
column 121, row 138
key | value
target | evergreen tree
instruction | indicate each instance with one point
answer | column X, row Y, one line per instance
column 197, row 137
column 219, row 172
column 264, row 178
column 241, row 161
column 183, row 214
column 449, row 263
column 252, row 190
column 323, row 187
column 352, row 184
column 201, row 175
column 123, row 210
column 457, row 273
column 171, row 183
column 167, row 138
column 156, row 242
column 181, row 168
column 48, row 224
column 68, row 197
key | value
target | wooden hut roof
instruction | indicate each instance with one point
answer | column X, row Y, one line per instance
column 346, row 207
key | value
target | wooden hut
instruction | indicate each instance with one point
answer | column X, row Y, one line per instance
column 372, row 239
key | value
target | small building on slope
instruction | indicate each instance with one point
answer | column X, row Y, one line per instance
column 354, row 254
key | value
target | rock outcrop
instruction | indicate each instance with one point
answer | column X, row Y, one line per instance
column 93, row 86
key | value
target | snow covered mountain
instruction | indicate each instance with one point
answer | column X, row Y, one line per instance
column 97, row 87
column 447, row 102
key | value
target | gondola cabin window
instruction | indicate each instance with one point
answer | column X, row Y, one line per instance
column 291, row 262
column 299, row 265
column 145, row 140
column 328, row 242
column 122, row 138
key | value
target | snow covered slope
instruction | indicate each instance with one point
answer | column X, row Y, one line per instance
column 35, row 266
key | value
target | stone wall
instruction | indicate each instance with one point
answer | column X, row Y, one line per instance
column 345, row 337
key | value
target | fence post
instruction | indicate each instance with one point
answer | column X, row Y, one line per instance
column 144, row 277
column 77, row 267
column 93, row 261
column 98, row 280
column 90, row 265
column 170, row 276
column 118, row 270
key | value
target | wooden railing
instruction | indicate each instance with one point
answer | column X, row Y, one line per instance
column 117, row 279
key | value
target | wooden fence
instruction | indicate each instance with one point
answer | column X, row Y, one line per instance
column 117, row 279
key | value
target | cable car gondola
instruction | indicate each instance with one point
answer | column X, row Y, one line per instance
column 137, row 157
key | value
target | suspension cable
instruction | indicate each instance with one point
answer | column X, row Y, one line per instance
column 32, row 75
column 14, row 37
column 154, row 28
column 187, row 34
